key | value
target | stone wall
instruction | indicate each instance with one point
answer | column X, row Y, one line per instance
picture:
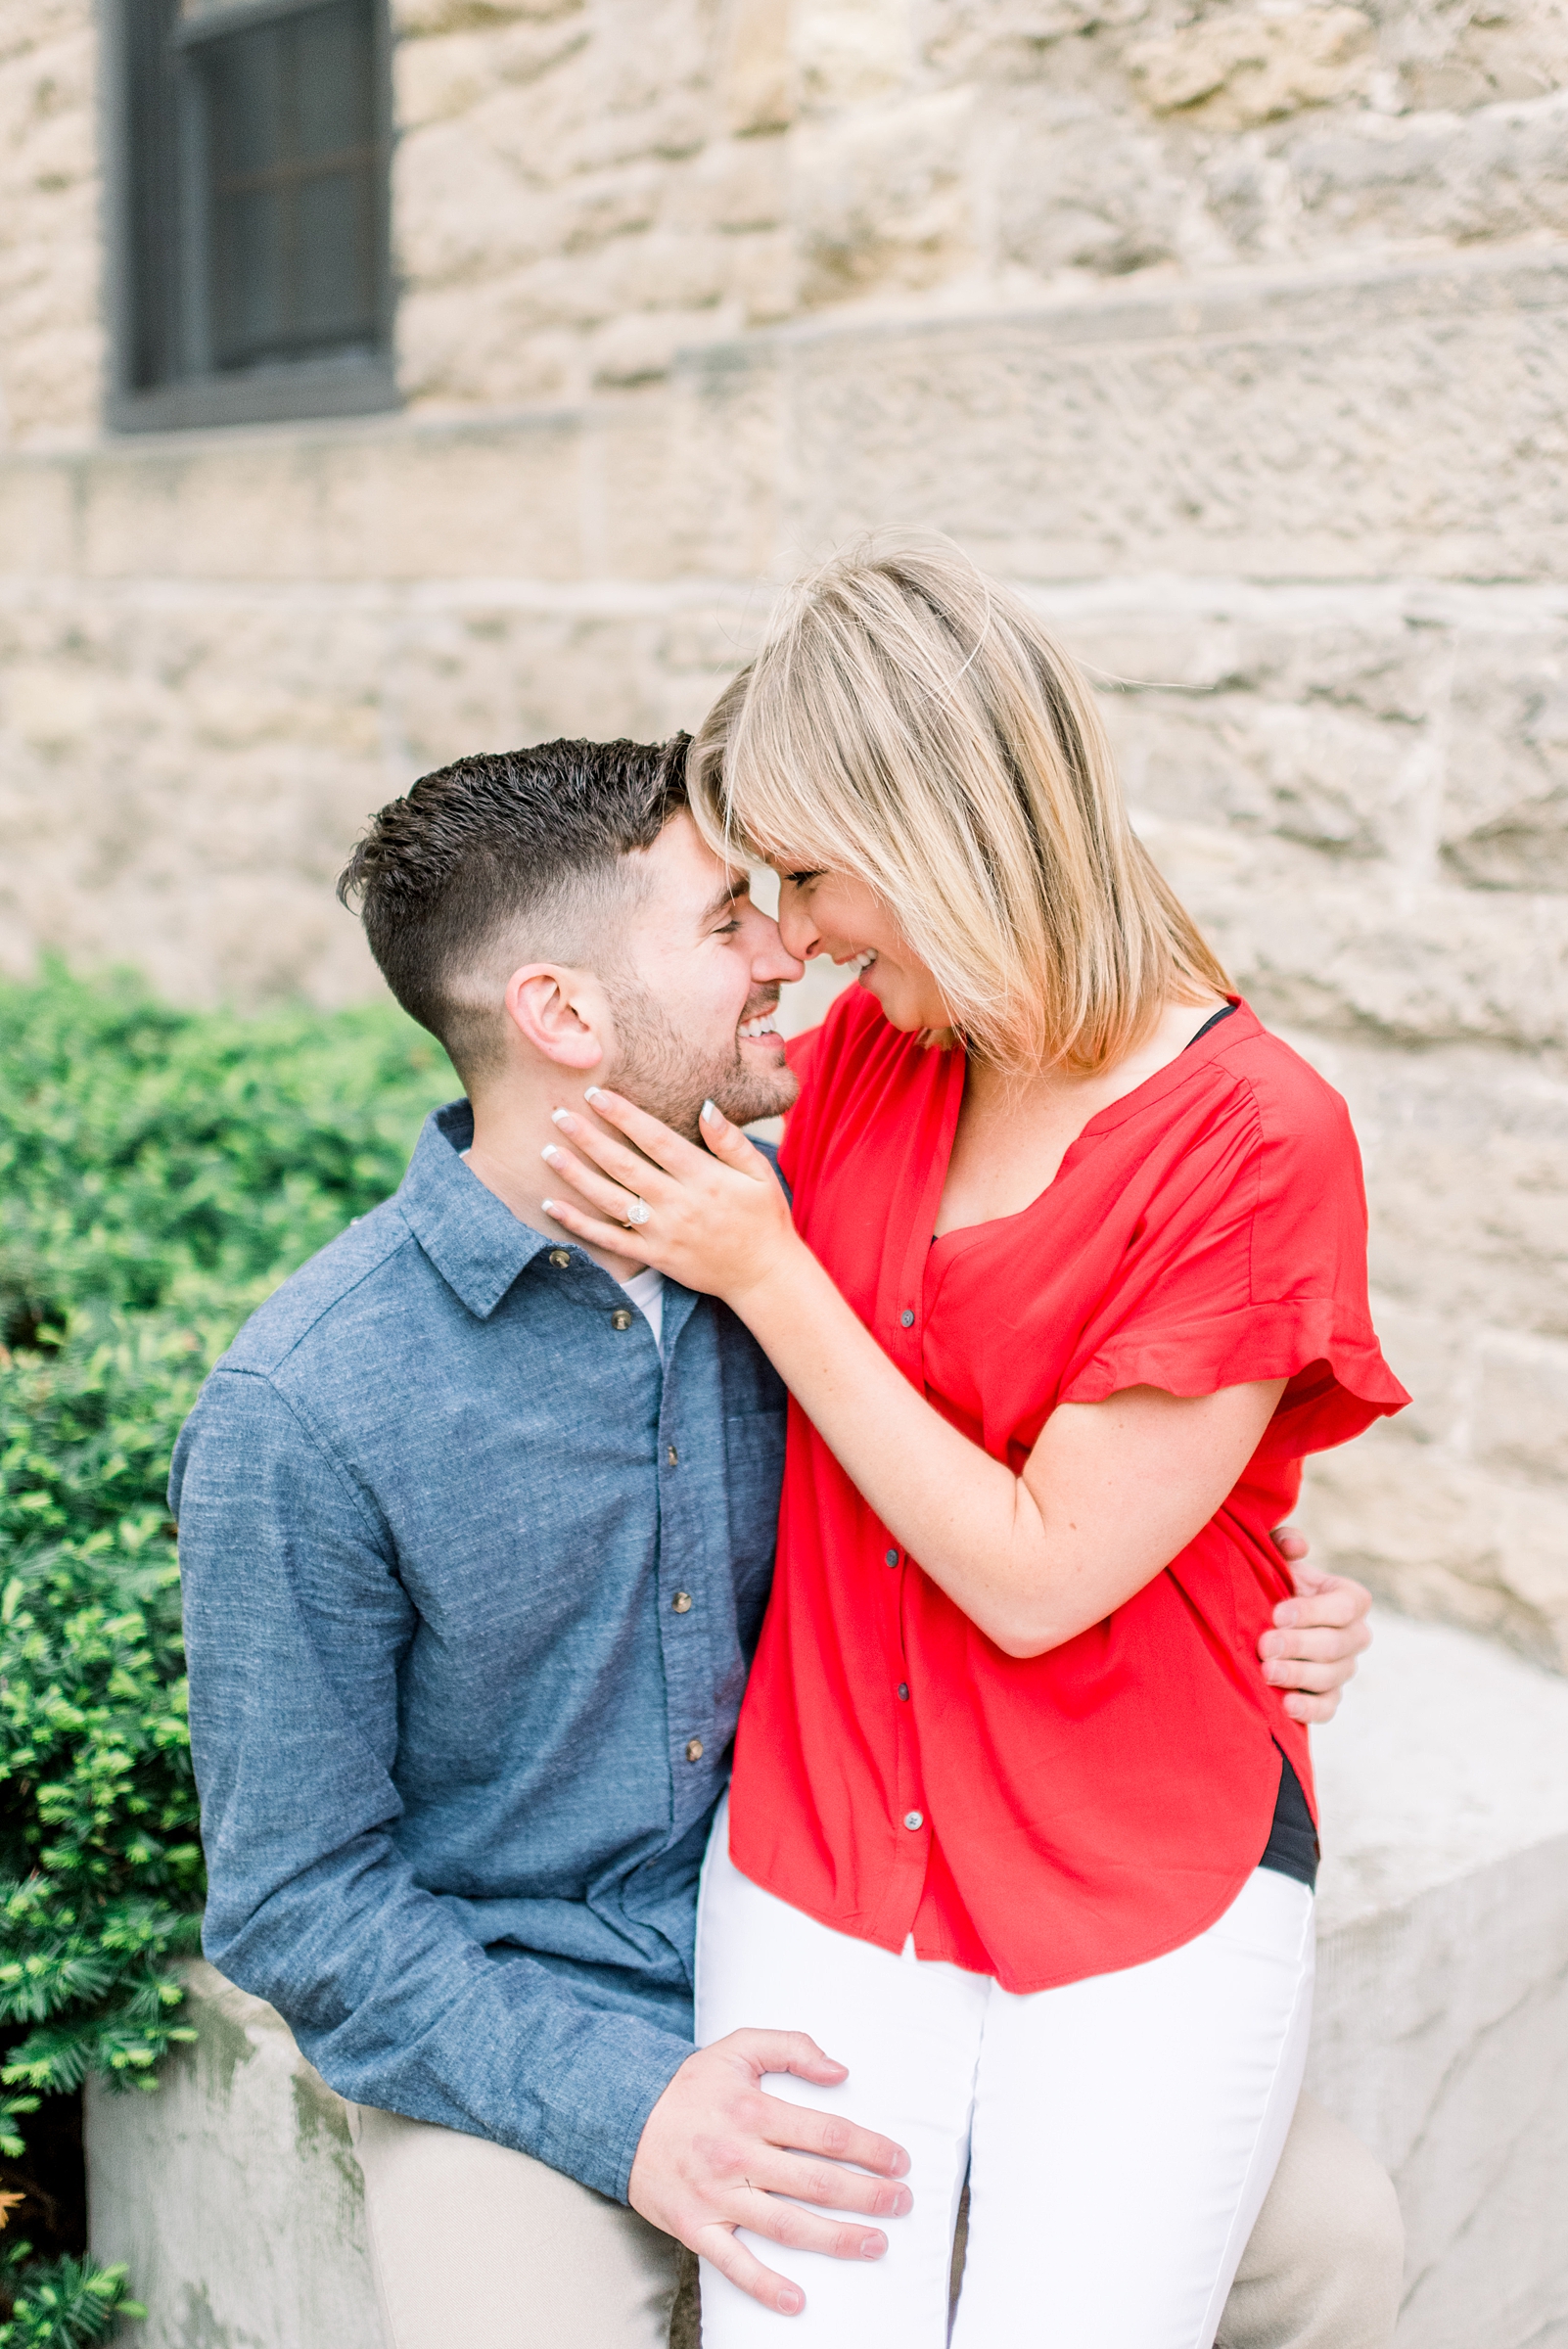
column 1236, row 336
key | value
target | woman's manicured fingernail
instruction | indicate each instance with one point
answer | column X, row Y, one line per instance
column 791, row 2302
column 560, row 1117
column 591, row 1093
column 872, row 2246
column 712, row 1113
column 550, row 1155
column 548, row 1206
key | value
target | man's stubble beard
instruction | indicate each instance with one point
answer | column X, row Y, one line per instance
column 671, row 1077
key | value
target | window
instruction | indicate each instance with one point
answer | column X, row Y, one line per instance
column 254, row 276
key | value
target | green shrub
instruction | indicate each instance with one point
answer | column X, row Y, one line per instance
column 160, row 1170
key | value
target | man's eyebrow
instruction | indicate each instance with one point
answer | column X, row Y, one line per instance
column 740, row 886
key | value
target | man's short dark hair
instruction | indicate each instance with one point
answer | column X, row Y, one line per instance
column 511, row 855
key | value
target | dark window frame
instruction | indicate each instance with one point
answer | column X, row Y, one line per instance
column 354, row 384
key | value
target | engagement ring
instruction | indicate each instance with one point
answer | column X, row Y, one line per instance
column 638, row 1212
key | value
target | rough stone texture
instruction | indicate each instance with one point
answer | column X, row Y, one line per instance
column 1235, row 332
column 52, row 343
column 1440, row 2035
column 233, row 2194
column 1441, row 2032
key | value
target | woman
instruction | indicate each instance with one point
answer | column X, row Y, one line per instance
column 1076, row 1279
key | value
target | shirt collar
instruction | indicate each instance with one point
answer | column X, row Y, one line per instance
column 474, row 1242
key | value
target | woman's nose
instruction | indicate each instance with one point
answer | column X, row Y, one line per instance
column 797, row 934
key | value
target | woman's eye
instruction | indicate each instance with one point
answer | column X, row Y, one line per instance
column 801, row 880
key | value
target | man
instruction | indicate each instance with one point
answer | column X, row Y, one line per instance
column 476, row 1530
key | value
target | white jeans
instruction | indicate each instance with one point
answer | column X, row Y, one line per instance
column 1119, row 2134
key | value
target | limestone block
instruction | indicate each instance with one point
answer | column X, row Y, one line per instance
column 457, row 354
column 242, row 503
column 1398, row 421
column 1504, row 821
column 641, row 349
column 1331, row 778
column 51, row 353
column 690, row 483
column 1079, row 189
column 755, row 87
column 1501, row 171
column 401, row 501
column 1234, row 69
column 464, row 211
column 111, row 858
column 423, row 19
column 1012, row 41
column 481, row 679
column 736, row 185
column 1438, row 1535
column 849, row 50
column 1521, row 1408
column 233, row 2194
column 1435, row 965
column 1466, row 1153
column 1442, row 58
column 1441, row 2030
column 37, row 521
column 881, row 197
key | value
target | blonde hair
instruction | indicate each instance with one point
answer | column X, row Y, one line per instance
column 911, row 722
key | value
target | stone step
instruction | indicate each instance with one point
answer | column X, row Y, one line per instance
column 1441, row 2037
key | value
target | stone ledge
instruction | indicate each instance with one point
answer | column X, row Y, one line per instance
column 1324, row 423
column 1440, row 2035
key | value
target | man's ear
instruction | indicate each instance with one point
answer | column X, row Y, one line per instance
column 562, row 1013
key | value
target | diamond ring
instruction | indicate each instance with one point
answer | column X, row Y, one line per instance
column 638, row 1212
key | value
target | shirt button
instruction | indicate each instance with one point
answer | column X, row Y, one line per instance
column 694, row 1749
column 672, row 1454
column 892, row 1557
column 904, row 1692
column 621, row 1318
column 908, row 1317
column 911, row 1819
column 681, row 1602
column 559, row 1258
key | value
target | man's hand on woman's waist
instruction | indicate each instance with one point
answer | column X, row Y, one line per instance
column 1318, row 1634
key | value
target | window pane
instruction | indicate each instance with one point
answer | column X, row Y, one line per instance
column 249, row 127
column 334, row 81
column 334, row 291
column 255, row 212
column 250, row 309
column 293, row 173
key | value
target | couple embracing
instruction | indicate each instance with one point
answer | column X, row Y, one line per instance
column 640, row 1889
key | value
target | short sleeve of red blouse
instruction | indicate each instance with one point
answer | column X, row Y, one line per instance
column 1250, row 1264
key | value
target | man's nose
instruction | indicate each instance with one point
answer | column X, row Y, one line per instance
column 797, row 937
column 775, row 959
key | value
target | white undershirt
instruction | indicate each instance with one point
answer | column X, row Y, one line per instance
column 646, row 1289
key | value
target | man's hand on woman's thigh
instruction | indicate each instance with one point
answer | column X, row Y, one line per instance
column 717, row 2154
column 1318, row 1634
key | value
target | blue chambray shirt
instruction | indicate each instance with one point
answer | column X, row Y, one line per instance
column 438, row 1520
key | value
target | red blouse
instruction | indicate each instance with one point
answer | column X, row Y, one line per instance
column 1066, row 1815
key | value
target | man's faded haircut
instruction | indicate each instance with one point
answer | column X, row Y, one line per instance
column 508, row 857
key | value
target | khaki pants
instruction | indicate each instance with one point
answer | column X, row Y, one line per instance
column 477, row 2247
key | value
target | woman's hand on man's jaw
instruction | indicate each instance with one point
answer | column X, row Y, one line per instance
column 718, row 1220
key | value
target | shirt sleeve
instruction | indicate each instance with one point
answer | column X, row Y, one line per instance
column 1249, row 1263
column 296, row 1625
